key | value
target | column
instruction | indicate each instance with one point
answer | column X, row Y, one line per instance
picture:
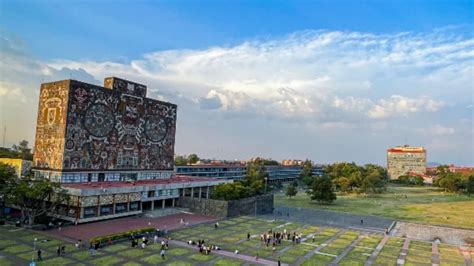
column 163, row 203
column 172, row 203
column 152, row 205
column 207, row 192
column 184, row 191
column 199, row 192
column 192, row 192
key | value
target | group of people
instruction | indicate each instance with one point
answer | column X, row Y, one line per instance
column 202, row 246
column 274, row 238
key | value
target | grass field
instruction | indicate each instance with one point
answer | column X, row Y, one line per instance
column 421, row 204
column 349, row 247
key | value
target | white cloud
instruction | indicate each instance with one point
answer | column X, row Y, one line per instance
column 398, row 105
column 307, row 75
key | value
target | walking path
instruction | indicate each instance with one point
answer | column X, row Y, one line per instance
column 376, row 252
column 229, row 254
column 347, row 250
column 434, row 254
column 315, row 251
column 403, row 252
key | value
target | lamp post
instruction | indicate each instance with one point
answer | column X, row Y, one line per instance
column 34, row 251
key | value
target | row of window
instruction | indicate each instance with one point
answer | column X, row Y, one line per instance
column 109, row 209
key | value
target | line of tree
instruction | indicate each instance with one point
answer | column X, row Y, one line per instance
column 253, row 184
column 34, row 197
column 20, row 151
column 181, row 160
column 454, row 182
column 410, row 180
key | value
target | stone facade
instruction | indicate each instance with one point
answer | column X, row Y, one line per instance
column 222, row 209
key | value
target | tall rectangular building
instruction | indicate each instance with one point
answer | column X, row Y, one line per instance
column 402, row 160
column 88, row 133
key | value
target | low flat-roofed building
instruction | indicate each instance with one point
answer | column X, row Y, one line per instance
column 222, row 171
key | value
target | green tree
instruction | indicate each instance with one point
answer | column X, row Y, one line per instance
column 307, row 170
column 36, row 197
column 193, row 158
column 255, row 177
column 343, row 184
column 180, row 160
column 322, row 190
column 451, row 182
column 373, row 183
column 291, row 191
column 470, row 185
column 7, row 181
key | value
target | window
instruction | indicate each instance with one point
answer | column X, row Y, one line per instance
column 90, row 212
column 120, row 207
column 134, row 206
column 105, row 209
column 101, row 177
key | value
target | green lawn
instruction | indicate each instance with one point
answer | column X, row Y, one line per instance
column 422, row 204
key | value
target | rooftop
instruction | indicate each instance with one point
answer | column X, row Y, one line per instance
column 175, row 180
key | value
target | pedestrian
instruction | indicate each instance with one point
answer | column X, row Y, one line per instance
column 248, row 236
column 58, row 251
column 361, row 221
column 75, row 222
column 279, row 261
column 312, row 238
column 63, row 250
column 256, row 257
column 39, row 254
column 287, row 214
column 77, row 244
column 155, row 239
column 162, row 253
column 143, row 245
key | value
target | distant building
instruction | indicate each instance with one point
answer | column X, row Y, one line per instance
column 292, row 162
column 405, row 159
column 276, row 173
column 223, row 171
column 22, row 167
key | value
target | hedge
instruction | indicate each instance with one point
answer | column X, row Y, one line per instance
column 118, row 236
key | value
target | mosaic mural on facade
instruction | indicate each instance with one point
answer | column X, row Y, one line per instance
column 50, row 126
column 112, row 128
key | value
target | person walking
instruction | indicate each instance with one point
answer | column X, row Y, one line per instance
column 162, row 253
column 248, row 236
column 39, row 255
column 58, row 251
column 279, row 261
column 361, row 221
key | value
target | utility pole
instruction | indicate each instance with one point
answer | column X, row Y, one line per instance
column 4, row 133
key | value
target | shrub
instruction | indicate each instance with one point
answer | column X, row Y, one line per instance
column 123, row 235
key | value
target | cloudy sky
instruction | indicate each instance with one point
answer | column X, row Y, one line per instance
column 325, row 80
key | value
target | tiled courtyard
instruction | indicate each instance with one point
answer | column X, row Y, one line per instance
column 331, row 246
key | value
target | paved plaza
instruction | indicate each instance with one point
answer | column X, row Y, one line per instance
column 332, row 245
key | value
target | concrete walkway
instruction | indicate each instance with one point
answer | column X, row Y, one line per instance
column 403, row 252
column 376, row 252
column 331, row 218
column 434, row 254
column 229, row 254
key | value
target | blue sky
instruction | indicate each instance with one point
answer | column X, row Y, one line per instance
column 325, row 80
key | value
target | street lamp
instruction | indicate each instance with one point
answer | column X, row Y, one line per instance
column 34, row 251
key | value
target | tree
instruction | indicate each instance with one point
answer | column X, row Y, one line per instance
column 180, row 160
column 470, row 185
column 451, row 182
column 321, row 190
column 255, row 176
column 373, row 183
column 307, row 170
column 193, row 158
column 7, row 180
column 291, row 191
column 343, row 184
column 36, row 197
